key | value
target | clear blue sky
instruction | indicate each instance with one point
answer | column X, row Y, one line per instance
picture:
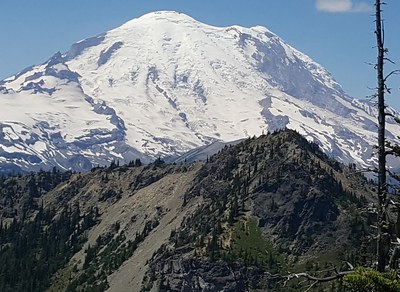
column 336, row 33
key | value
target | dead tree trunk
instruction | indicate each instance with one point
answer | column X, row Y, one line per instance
column 383, row 241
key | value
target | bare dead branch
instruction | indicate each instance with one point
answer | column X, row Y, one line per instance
column 311, row 286
column 396, row 118
column 387, row 59
column 393, row 175
column 394, row 149
column 350, row 266
column 394, row 72
column 337, row 276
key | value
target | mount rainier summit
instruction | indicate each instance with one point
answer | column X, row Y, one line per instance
column 163, row 84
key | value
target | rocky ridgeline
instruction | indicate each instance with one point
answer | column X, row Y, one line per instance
column 266, row 205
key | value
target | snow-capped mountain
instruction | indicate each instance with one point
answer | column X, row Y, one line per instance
column 163, row 84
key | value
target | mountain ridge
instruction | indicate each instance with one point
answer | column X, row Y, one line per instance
column 266, row 205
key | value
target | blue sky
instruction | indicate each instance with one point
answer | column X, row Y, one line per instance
column 336, row 33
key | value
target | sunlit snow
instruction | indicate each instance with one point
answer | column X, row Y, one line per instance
column 164, row 83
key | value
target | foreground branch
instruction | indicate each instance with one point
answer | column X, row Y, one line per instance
column 337, row 276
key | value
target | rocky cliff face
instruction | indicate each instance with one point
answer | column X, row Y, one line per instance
column 183, row 271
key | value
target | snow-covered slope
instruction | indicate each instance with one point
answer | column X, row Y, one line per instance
column 163, row 84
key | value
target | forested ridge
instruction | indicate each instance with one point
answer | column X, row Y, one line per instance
column 267, row 205
column 31, row 251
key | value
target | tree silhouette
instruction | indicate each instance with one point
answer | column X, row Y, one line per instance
column 384, row 147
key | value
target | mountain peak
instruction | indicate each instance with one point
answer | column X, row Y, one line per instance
column 165, row 14
column 160, row 17
column 153, row 18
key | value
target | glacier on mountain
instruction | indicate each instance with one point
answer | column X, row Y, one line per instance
column 163, row 84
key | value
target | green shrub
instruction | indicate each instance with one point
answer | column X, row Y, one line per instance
column 366, row 279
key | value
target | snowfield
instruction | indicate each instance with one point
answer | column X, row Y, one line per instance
column 163, row 84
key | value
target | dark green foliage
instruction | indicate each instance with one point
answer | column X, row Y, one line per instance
column 277, row 172
column 158, row 162
column 138, row 162
column 19, row 195
column 113, row 165
column 32, row 251
column 107, row 255
column 249, row 247
column 369, row 280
